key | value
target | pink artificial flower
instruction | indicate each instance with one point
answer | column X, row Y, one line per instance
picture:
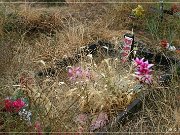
column 144, row 78
column 124, row 54
column 128, row 41
column 8, row 105
column 37, row 126
column 99, row 121
column 138, row 61
column 124, row 60
column 146, row 65
column 74, row 72
column 81, row 119
column 18, row 104
column 78, row 73
column 12, row 106
column 143, row 71
column 147, row 79
column 126, row 48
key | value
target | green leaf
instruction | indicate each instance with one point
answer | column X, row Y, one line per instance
column 17, row 94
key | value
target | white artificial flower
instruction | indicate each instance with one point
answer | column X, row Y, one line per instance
column 172, row 48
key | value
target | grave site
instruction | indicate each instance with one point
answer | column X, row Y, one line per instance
column 89, row 66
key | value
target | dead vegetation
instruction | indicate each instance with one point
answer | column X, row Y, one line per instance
column 34, row 37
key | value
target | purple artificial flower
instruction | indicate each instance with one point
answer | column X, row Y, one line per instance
column 74, row 73
column 78, row 73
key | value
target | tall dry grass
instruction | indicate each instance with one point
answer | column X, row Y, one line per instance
column 32, row 38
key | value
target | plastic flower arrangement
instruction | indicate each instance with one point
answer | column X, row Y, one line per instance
column 138, row 11
column 175, row 8
column 164, row 43
column 143, row 72
column 19, row 105
column 14, row 106
column 126, row 48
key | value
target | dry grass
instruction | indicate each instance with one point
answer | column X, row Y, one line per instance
column 33, row 38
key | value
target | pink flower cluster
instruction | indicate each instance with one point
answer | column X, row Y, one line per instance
column 75, row 73
column 14, row 106
column 126, row 48
column 143, row 72
column 38, row 128
column 98, row 121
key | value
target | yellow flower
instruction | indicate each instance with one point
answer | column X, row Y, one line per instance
column 139, row 11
